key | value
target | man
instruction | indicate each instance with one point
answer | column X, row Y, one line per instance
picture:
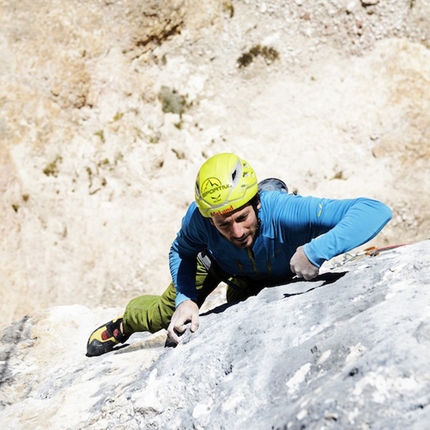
column 246, row 237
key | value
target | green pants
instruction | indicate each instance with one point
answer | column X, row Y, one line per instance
column 152, row 313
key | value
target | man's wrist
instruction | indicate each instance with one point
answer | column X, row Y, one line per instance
column 311, row 256
column 180, row 298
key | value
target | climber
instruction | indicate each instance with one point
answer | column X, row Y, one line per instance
column 248, row 235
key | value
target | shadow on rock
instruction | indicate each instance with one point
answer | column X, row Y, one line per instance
column 327, row 278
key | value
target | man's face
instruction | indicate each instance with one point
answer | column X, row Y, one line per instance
column 239, row 226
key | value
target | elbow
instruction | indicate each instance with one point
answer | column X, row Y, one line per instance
column 382, row 217
column 388, row 214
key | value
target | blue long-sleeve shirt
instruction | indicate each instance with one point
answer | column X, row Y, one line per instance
column 325, row 227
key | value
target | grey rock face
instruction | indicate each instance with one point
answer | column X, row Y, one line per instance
column 349, row 350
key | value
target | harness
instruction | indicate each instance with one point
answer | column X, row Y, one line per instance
column 244, row 284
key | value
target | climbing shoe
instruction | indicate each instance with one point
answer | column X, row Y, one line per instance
column 105, row 338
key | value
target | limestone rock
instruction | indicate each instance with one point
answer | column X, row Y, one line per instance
column 348, row 350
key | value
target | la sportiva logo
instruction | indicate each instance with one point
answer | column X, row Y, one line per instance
column 212, row 187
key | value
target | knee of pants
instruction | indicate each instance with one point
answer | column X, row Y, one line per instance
column 236, row 294
column 150, row 312
column 240, row 291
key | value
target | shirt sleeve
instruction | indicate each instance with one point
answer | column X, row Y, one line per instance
column 349, row 224
column 190, row 240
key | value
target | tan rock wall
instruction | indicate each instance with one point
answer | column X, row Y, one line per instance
column 96, row 172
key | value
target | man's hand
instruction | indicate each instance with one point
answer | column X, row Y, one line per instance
column 186, row 312
column 301, row 266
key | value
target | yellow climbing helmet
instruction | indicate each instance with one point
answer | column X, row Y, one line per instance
column 225, row 182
